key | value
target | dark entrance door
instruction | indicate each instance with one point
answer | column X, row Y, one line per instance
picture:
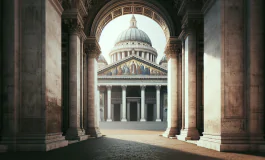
column 150, row 112
column 133, row 111
column 117, row 112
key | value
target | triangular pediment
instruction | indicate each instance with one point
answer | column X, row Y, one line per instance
column 132, row 65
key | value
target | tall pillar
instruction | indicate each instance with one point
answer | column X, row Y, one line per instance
column 92, row 49
column 123, row 104
column 158, row 87
column 234, row 60
column 172, row 50
column 143, row 54
column 128, row 111
column 31, row 76
column 109, row 103
column 183, row 85
column 74, row 131
column 190, row 131
column 138, row 111
column 143, row 103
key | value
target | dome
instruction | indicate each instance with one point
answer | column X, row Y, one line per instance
column 133, row 34
column 102, row 59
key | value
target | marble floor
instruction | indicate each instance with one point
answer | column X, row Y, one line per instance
column 131, row 144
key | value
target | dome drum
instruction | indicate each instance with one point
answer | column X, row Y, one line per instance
column 133, row 41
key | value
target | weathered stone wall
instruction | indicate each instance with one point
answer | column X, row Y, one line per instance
column 233, row 68
column 32, row 66
column 212, row 69
column 53, row 69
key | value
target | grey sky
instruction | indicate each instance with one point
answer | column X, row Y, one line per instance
column 116, row 26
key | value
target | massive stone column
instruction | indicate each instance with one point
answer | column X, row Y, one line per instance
column 74, row 131
column 234, row 60
column 31, row 76
column 172, row 50
column 123, row 104
column 190, row 131
column 158, row 119
column 92, row 49
column 143, row 103
column 109, row 103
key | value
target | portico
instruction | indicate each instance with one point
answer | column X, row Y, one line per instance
column 125, row 103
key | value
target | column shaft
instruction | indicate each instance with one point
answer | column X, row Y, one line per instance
column 143, row 104
column 190, row 131
column 74, row 132
column 123, row 104
column 109, row 103
column 158, row 119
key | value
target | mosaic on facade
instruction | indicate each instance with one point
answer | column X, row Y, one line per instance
column 133, row 67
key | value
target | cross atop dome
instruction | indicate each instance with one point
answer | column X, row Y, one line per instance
column 133, row 22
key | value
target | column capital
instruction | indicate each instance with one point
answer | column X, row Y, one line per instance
column 109, row 87
column 123, row 87
column 142, row 87
column 91, row 47
column 173, row 47
column 158, row 87
column 73, row 25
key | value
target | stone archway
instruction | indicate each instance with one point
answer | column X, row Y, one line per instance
column 117, row 8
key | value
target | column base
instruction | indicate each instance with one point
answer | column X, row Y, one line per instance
column 158, row 120
column 124, row 120
column 33, row 143
column 76, row 134
column 142, row 120
column 189, row 134
column 109, row 120
column 231, row 143
column 94, row 132
column 171, row 132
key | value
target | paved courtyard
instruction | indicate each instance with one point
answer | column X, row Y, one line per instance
column 131, row 144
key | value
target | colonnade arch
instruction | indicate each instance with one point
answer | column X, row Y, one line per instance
column 233, row 104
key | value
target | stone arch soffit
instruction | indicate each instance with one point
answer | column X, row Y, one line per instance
column 118, row 8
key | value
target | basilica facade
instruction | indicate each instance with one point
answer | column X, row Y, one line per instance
column 133, row 87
